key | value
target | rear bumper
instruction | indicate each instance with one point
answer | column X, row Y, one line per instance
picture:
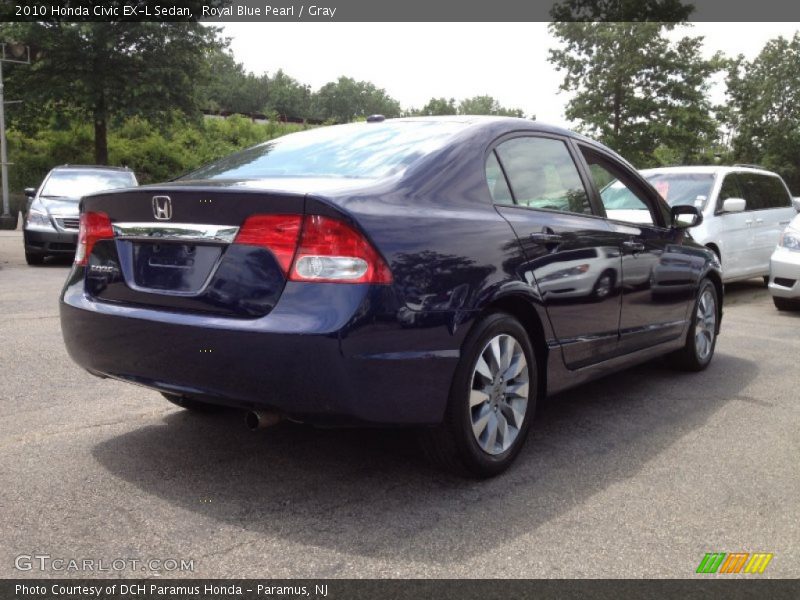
column 334, row 367
column 784, row 273
column 49, row 242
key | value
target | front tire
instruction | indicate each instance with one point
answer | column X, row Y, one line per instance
column 701, row 339
column 492, row 401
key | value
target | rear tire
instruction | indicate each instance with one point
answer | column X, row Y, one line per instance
column 34, row 259
column 701, row 340
column 191, row 403
column 766, row 280
column 492, row 401
column 786, row 303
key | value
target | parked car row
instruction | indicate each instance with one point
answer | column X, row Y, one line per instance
column 747, row 222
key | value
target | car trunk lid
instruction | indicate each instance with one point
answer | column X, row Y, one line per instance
column 187, row 248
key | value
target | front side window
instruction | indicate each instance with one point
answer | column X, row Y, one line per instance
column 728, row 189
column 542, row 175
column 620, row 198
column 752, row 192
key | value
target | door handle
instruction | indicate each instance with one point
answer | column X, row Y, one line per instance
column 749, row 222
column 633, row 246
column 759, row 220
column 544, row 237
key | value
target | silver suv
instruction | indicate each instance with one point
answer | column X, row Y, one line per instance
column 53, row 217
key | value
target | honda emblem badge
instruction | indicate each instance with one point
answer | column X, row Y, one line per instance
column 162, row 208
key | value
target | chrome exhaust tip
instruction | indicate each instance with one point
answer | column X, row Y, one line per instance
column 256, row 419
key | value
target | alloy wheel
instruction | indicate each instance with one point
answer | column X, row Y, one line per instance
column 705, row 324
column 498, row 397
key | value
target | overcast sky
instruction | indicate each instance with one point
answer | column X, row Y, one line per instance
column 417, row 61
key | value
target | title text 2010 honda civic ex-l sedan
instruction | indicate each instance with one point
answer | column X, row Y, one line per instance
column 445, row 273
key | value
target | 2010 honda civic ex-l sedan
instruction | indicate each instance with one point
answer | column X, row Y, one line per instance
column 445, row 273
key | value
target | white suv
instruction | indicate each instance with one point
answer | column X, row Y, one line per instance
column 744, row 208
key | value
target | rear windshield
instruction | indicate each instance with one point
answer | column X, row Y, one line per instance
column 677, row 189
column 75, row 183
column 358, row 150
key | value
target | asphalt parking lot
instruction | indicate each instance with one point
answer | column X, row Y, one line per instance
column 638, row 475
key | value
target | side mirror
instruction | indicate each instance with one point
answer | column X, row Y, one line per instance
column 30, row 192
column 796, row 203
column 734, row 205
column 685, row 216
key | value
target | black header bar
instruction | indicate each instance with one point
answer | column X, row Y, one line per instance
column 267, row 11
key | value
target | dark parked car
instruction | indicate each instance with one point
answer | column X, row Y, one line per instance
column 51, row 220
column 388, row 273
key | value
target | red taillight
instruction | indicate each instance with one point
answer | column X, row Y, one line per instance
column 316, row 248
column 332, row 251
column 276, row 233
column 94, row 226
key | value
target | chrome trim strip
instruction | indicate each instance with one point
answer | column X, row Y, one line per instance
column 180, row 232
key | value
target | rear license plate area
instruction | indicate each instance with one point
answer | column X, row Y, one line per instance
column 173, row 267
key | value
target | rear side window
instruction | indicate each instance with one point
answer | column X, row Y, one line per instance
column 543, row 175
column 763, row 191
column 498, row 186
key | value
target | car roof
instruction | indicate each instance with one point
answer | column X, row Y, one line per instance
column 491, row 120
column 97, row 167
column 497, row 125
column 708, row 169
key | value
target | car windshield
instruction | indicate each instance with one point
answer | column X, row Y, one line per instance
column 359, row 150
column 75, row 183
column 679, row 189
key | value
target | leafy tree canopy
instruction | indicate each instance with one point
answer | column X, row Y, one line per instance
column 486, row 105
column 764, row 108
column 634, row 89
column 111, row 69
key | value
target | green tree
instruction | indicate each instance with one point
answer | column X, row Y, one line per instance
column 228, row 87
column 486, row 105
column 666, row 11
column 635, row 90
column 764, row 108
column 287, row 97
column 346, row 99
column 439, row 106
column 114, row 69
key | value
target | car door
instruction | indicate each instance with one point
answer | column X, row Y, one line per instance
column 572, row 261
column 657, row 276
column 734, row 230
column 772, row 212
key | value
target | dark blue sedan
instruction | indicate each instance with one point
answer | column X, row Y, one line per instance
column 443, row 273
